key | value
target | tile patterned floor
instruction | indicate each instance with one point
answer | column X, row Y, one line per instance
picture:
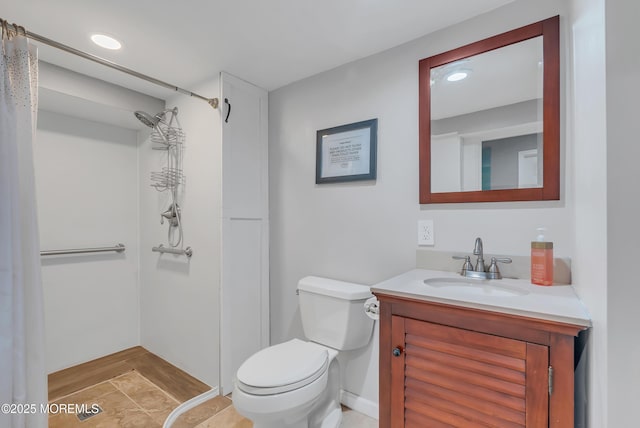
column 131, row 401
column 353, row 419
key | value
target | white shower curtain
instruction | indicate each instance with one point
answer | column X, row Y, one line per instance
column 22, row 369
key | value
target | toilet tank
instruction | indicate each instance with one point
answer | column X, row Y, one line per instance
column 333, row 312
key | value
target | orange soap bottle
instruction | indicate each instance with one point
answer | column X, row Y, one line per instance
column 541, row 260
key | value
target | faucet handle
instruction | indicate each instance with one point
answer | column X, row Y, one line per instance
column 493, row 268
column 467, row 266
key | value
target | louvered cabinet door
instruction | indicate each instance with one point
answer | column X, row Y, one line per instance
column 450, row 377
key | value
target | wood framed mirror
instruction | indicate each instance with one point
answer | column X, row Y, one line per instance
column 489, row 119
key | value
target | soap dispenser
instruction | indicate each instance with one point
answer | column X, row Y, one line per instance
column 541, row 260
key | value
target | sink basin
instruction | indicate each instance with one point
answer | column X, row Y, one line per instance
column 476, row 287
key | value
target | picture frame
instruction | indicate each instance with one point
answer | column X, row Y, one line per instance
column 347, row 152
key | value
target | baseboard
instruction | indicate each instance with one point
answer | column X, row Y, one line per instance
column 359, row 404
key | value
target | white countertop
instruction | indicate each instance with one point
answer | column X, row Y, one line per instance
column 512, row 296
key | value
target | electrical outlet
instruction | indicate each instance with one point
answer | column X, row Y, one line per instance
column 425, row 232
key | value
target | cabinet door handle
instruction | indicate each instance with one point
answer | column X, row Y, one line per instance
column 397, row 351
column 226, row 101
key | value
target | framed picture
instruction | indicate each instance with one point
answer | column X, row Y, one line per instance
column 347, row 152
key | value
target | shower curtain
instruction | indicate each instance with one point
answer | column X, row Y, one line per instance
column 22, row 370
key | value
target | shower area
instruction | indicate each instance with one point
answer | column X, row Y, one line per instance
column 179, row 195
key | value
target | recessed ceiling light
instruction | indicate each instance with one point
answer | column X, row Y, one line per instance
column 106, row 42
column 457, row 75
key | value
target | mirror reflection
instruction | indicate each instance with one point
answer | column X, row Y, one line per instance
column 486, row 120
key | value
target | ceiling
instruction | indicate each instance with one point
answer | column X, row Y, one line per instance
column 270, row 43
column 500, row 77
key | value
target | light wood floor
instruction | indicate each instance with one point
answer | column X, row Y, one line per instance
column 168, row 377
column 135, row 388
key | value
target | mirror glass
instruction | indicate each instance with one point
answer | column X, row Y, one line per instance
column 486, row 120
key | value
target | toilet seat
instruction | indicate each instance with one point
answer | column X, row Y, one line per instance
column 282, row 368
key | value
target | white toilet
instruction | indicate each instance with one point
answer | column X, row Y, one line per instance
column 296, row 384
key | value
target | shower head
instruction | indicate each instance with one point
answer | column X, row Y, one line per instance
column 153, row 121
column 147, row 119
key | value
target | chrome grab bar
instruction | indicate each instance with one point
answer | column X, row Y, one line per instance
column 162, row 249
column 119, row 248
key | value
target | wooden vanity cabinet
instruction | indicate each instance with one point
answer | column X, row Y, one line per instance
column 449, row 366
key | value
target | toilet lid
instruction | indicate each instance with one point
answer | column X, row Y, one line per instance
column 283, row 367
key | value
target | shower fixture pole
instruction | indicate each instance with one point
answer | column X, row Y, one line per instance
column 167, row 133
column 213, row 102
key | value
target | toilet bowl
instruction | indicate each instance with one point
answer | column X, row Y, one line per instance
column 296, row 384
column 281, row 386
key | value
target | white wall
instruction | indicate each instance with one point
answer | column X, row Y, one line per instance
column 589, row 129
column 68, row 92
column 87, row 193
column 623, row 232
column 366, row 232
column 447, row 163
column 605, row 129
column 180, row 296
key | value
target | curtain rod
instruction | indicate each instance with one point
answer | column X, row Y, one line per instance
column 213, row 102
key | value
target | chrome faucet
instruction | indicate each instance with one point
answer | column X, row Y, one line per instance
column 477, row 251
column 480, row 271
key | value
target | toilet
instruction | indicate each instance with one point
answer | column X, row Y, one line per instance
column 296, row 384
